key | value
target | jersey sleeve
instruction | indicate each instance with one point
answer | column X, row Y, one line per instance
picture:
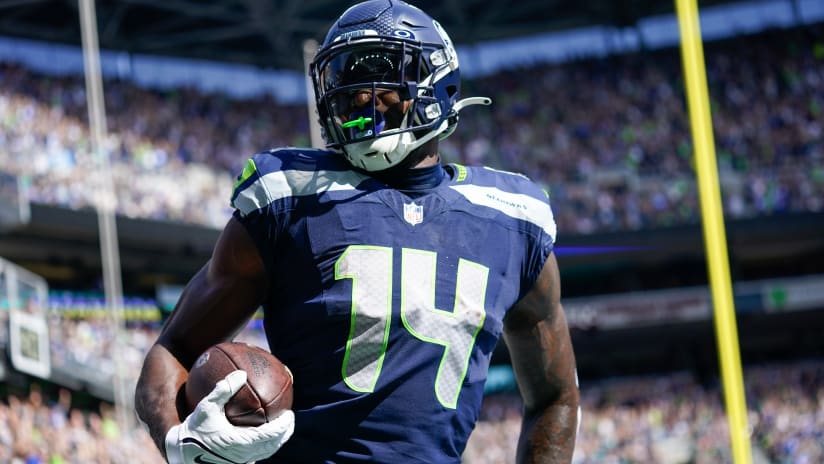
column 543, row 242
column 519, row 205
column 253, row 200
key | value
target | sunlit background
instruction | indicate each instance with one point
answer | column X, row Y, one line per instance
column 589, row 102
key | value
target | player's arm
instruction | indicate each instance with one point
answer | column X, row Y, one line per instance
column 215, row 304
column 537, row 336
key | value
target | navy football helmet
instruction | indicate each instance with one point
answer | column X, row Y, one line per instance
column 381, row 46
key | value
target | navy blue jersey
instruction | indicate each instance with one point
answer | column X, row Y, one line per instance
column 387, row 305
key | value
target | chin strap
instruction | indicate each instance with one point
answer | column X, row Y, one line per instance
column 431, row 135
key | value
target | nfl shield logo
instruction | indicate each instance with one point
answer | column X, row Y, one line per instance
column 413, row 213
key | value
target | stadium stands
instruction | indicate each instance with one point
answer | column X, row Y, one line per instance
column 661, row 418
column 35, row 429
column 609, row 138
column 675, row 419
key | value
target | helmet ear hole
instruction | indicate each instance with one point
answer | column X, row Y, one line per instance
column 451, row 90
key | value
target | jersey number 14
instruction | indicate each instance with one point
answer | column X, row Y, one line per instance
column 370, row 268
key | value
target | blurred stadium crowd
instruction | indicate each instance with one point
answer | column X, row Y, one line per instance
column 665, row 418
column 35, row 430
column 609, row 138
column 675, row 419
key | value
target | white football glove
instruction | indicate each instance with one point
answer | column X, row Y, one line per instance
column 207, row 436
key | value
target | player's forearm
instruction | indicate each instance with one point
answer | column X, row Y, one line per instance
column 544, row 364
column 548, row 435
column 156, row 395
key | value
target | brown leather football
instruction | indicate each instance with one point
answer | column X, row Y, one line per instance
column 268, row 388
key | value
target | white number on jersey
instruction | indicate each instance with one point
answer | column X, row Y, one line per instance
column 370, row 269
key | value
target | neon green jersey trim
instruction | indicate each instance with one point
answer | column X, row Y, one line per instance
column 248, row 169
column 461, row 172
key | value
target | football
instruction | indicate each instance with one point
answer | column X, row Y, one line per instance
column 268, row 388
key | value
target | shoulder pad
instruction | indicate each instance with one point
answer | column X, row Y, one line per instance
column 290, row 172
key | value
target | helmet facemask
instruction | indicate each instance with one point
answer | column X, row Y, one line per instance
column 386, row 46
column 372, row 135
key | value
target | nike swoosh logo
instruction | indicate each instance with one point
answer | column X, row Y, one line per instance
column 200, row 458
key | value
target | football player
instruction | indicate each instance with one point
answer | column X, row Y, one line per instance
column 386, row 277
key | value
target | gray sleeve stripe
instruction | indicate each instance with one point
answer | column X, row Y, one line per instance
column 282, row 184
column 514, row 205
